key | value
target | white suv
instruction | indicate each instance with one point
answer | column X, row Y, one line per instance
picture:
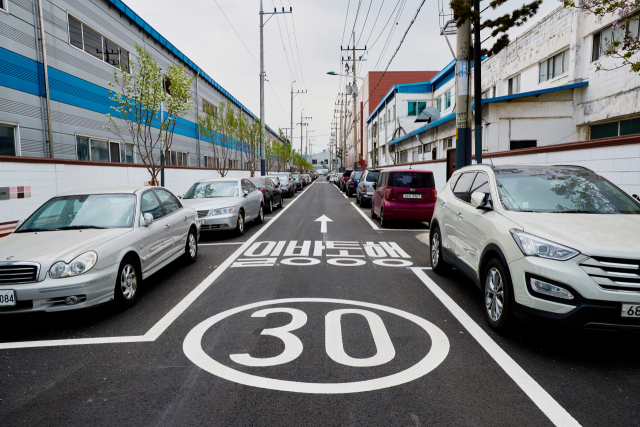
column 557, row 245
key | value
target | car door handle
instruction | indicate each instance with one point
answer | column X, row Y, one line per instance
column 443, row 204
column 186, row 217
column 460, row 215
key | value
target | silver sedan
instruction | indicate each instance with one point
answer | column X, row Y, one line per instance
column 225, row 203
column 89, row 247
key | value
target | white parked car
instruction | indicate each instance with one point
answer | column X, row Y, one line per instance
column 556, row 245
column 89, row 247
column 225, row 203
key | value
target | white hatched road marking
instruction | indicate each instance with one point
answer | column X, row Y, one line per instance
column 547, row 404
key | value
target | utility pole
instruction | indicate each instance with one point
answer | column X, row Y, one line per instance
column 262, row 24
column 477, row 82
column 463, row 136
column 293, row 95
column 354, row 94
column 302, row 125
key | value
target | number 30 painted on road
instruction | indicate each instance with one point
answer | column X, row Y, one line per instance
column 385, row 351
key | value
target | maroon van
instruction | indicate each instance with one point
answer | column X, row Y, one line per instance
column 407, row 194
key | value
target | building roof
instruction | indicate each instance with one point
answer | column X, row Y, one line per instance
column 380, row 82
column 123, row 8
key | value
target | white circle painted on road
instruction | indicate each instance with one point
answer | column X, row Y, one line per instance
column 346, row 262
column 300, row 261
column 439, row 350
column 393, row 262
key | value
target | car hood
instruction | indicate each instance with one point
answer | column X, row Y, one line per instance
column 212, row 202
column 48, row 247
column 613, row 236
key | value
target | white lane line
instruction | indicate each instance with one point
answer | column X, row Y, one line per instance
column 552, row 409
column 220, row 244
column 371, row 223
column 157, row 329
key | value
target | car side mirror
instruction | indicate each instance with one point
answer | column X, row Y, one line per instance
column 375, row 185
column 480, row 201
column 147, row 219
column 245, row 193
column 635, row 196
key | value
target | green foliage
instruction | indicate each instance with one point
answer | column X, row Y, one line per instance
column 137, row 96
column 462, row 11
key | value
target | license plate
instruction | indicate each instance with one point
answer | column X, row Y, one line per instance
column 631, row 310
column 412, row 196
column 369, row 190
column 7, row 298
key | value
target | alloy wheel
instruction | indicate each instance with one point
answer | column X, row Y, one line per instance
column 494, row 294
column 128, row 282
column 435, row 250
column 271, row 205
column 193, row 246
column 240, row 223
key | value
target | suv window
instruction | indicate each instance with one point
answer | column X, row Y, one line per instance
column 480, row 184
column 461, row 190
column 381, row 179
column 372, row 176
column 411, row 180
column 168, row 200
column 149, row 204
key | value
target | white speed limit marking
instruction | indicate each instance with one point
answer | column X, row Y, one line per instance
column 385, row 351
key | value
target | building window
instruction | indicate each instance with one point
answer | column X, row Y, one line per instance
column 177, row 158
column 383, row 149
column 602, row 40
column 101, row 150
column 554, row 66
column 447, row 100
column 210, row 162
column 621, row 128
column 4, row 5
column 514, row 85
column 439, row 104
column 8, row 139
column 415, row 108
column 394, row 113
column 518, row 145
column 426, row 148
column 96, row 45
column 448, row 143
column 209, row 108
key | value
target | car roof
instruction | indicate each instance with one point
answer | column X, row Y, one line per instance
column 218, row 180
column 125, row 189
column 406, row 170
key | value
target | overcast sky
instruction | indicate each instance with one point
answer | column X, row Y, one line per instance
column 302, row 46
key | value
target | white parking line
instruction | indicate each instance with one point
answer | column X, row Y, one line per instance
column 157, row 329
column 371, row 223
column 552, row 409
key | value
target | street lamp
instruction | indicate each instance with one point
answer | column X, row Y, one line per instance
column 333, row 73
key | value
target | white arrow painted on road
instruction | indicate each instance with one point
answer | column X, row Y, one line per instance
column 324, row 220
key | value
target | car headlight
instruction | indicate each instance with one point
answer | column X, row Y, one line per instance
column 531, row 245
column 81, row 264
column 222, row 211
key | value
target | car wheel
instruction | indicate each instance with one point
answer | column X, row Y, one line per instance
column 240, row 225
column 373, row 214
column 191, row 249
column 358, row 200
column 127, row 281
column 260, row 218
column 270, row 205
column 384, row 223
column 497, row 298
column 438, row 265
column 280, row 205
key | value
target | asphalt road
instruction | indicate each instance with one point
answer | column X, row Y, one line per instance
column 290, row 326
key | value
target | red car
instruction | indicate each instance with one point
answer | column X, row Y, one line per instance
column 407, row 194
column 343, row 180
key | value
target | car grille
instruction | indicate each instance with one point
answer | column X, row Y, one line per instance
column 613, row 274
column 12, row 273
column 203, row 214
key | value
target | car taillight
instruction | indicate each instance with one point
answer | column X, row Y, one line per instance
column 263, row 190
column 388, row 194
column 434, row 194
column 352, row 183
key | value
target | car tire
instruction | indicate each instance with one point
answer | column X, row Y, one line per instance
column 127, row 286
column 280, row 205
column 438, row 264
column 260, row 217
column 358, row 202
column 270, row 205
column 240, row 225
column 497, row 296
column 191, row 247
column 384, row 223
column 373, row 214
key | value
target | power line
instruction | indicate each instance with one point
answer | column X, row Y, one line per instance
column 356, row 19
column 391, row 32
column 365, row 22
column 234, row 30
column 385, row 26
column 345, row 21
column 295, row 39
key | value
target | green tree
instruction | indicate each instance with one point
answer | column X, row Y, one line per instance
column 219, row 130
column 138, row 96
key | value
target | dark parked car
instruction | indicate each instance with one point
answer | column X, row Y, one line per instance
column 287, row 184
column 364, row 190
column 298, row 180
column 272, row 195
column 343, row 180
column 407, row 194
column 352, row 183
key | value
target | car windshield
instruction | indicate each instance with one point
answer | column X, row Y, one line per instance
column 258, row 182
column 296, row 175
column 283, row 176
column 357, row 175
column 206, row 190
column 372, row 176
column 561, row 190
column 411, row 180
column 83, row 212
